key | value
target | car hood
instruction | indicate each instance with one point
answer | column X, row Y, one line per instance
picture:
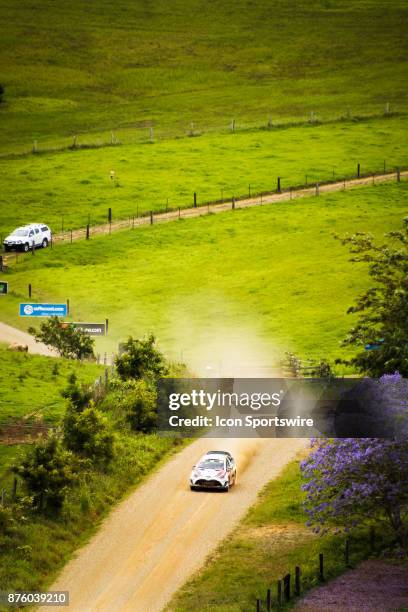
column 15, row 237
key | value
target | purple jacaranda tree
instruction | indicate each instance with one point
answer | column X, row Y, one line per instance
column 351, row 481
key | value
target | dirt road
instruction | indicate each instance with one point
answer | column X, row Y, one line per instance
column 155, row 539
column 10, row 334
column 185, row 213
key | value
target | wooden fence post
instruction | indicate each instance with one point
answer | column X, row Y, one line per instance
column 286, row 586
column 398, row 175
column 268, row 600
column 258, row 605
column 179, row 215
column 347, row 553
column 321, row 567
column 71, row 236
column 233, row 203
column 358, row 170
column 279, row 185
column 151, row 217
column 29, row 290
column 195, row 200
column 87, row 231
column 317, row 189
column 297, row 581
column 279, row 592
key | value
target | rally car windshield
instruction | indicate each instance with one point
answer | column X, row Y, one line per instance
column 211, row 464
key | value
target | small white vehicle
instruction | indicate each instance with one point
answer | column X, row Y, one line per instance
column 215, row 470
column 29, row 236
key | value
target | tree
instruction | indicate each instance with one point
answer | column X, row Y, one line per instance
column 66, row 339
column 382, row 326
column 351, row 481
column 48, row 471
column 79, row 397
column 140, row 358
column 87, row 433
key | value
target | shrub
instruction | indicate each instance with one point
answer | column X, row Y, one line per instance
column 140, row 358
column 69, row 342
column 48, row 471
column 87, row 433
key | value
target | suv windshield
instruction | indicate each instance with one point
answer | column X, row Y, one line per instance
column 211, row 464
column 20, row 232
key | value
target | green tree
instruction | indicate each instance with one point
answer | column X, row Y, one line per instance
column 383, row 309
column 79, row 396
column 48, row 471
column 139, row 359
column 68, row 341
column 87, row 433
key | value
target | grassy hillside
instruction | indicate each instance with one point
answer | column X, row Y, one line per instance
column 64, row 189
column 264, row 280
column 31, row 385
column 75, row 67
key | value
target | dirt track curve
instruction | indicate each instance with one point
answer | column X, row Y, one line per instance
column 10, row 334
column 153, row 541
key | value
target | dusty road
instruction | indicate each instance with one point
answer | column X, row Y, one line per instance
column 10, row 334
column 155, row 539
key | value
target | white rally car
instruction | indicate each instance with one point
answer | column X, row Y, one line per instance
column 215, row 470
column 25, row 238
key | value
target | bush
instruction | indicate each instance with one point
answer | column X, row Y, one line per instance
column 48, row 471
column 87, row 433
column 139, row 359
column 139, row 406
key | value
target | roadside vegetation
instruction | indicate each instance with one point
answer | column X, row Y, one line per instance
column 73, row 69
column 56, row 489
column 71, row 189
column 274, row 271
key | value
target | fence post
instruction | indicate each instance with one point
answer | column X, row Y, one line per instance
column 321, row 567
column 358, row 170
column 67, row 305
column 297, row 581
column 258, row 605
column 347, row 552
column 133, row 222
column 29, row 290
column 279, row 185
column 87, row 231
column 233, row 203
column 71, row 236
column 14, row 489
column 179, row 215
column 106, row 326
column 268, row 600
column 372, row 539
column 249, row 190
column 1, row 263
column 286, row 587
column 195, row 200
column 398, row 175
column 317, row 189
column 384, row 165
column 151, row 217
column 279, row 592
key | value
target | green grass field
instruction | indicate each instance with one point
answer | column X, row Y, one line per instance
column 76, row 68
column 31, row 385
column 267, row 544
column 272, row 278
column 64, row 189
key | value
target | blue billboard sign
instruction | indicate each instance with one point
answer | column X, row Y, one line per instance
column 43, row 310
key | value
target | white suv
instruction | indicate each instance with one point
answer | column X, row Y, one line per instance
column 27, row 237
